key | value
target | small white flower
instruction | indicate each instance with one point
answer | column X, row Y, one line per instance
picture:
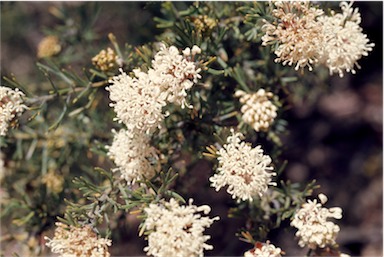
column 70, row 241
column 196, row 50
column 176, row 230
column 245, row 170
column 264, row 250
column 323, row 198
column 135, row 158
column 186, row 51
column 137, row 101
column 258, row 111
column 314, row 230
column 11, row 106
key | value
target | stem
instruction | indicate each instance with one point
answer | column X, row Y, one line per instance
column 39, row 99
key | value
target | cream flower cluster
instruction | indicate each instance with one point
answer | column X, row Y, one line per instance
column 297, row 33
column 175, row 73
column 258, row 111
column 11, row 106
column 176, row 230
column 134, row 157
column 203, row 23
column 70, row 241
column 314, row 230
column 343, row 43
column 306, row 36
column 106, row 59
column 245, row 170
column 264, row 250
column 138, row 101
column 48, row 46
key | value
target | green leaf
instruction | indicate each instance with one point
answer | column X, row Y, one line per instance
column 175, row 195
column 22, row 221
column 56, row 124
column 215, row 72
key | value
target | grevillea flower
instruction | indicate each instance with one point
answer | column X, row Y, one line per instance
column 296, row 32
column 106, row 59
column 264, row 250
column 177, row 230
column 175, row 73
column 137, row 101
column 11, row 106
column 343, row 41
column 245, row 170
column 70, row 241
column 133, row 155
column 48, row 46
column 258, row 111
column 314, row 229
column 304, row 36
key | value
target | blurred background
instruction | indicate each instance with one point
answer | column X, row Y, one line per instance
column 335, row 135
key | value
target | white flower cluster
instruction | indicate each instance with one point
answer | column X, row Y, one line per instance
column 175, row 73
column 176, row 230
column 70, row 241
column 306, row 36
column 138, row 102
column 245, row 170
column 11, row 106
column 264, row 250
column 313, row 228
column 297, row 33
column 134, row 157
column 258, row 111
column 343, row 43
